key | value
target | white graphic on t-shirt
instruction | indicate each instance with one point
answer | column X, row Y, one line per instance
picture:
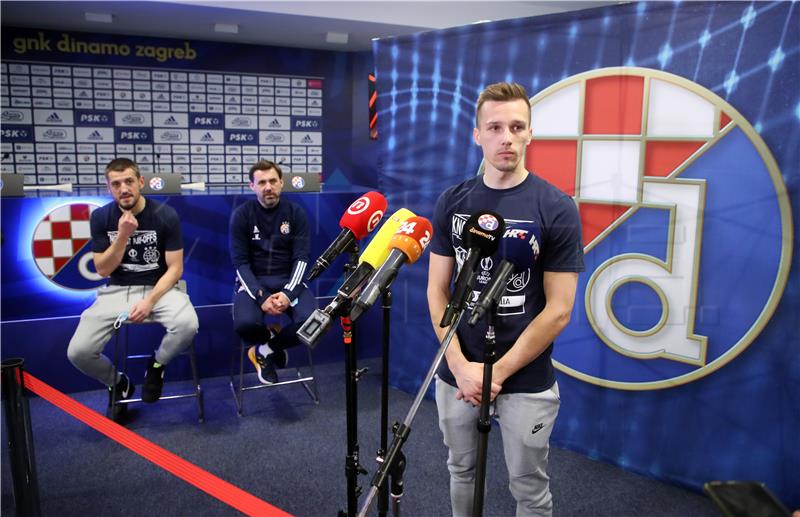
column 142, row 243
column 256, row 234
column 151, row 254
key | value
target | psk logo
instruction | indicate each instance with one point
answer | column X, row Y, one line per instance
column 61, row 247
column 298, row 182
column 488, row 222
column 157, row 183
column 659, row 166
column 285, row 228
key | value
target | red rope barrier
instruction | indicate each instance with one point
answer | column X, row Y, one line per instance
column 192, row 474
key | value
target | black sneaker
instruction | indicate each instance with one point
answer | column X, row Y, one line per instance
column 153, row 382
column 124, row 390
column 279, row 358
column 265, row 367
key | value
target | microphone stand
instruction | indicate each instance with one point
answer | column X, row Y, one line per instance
column 401, row 431
column 352, row 374
column 383, row 498
column 484, row 420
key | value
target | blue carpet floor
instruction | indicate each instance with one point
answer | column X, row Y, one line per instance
column 291, row 453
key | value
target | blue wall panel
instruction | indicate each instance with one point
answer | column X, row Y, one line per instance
column 734, row 416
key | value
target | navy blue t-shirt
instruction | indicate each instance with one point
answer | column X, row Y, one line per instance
column 144, row 262
column 533, row 206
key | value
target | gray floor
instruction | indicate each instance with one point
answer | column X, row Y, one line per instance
column 291, row 453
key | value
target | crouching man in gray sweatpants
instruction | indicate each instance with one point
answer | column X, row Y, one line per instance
column 137, row 245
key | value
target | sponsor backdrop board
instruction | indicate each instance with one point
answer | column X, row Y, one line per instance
column 674, row 128
column 73, row 101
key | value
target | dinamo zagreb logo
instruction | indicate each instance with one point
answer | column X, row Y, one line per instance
column 686, row 225
column 157, row 183
column 61, row 247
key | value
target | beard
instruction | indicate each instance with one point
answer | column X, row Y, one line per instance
column 127, row 203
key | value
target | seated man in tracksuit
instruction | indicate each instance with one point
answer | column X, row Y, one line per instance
column 269, row 248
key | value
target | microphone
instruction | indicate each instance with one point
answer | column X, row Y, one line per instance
column 406, row 245
column 519, row 250
column 361, row 217
column 374, row 255
column 481, row 237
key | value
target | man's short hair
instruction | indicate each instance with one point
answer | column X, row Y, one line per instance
column 120, row 164
column 502, row 92
column 265, row 165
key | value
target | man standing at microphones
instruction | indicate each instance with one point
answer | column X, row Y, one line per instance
column 535, row 309
column 269, row 245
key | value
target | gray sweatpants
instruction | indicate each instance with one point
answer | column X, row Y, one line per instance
column 173, row 310
column 526, row 421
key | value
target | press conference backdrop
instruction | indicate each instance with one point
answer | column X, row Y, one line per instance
column 676, row 127
column 71, row 101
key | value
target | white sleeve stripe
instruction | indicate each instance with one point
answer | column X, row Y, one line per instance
column 297, row 276
column 244, row 285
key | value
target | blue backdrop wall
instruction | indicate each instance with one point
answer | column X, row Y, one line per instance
column 690, row 374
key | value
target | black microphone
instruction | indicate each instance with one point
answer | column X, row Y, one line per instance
column 481, row 237
column 361, row 217
column 519, row 250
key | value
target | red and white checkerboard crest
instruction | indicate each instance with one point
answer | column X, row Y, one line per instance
column 60, row 246
column 658, row 166
column 601, row 136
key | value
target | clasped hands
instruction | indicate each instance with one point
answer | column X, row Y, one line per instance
column 276, row 304
column 470, row 383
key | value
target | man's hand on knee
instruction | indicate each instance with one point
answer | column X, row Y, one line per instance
column 140, row 310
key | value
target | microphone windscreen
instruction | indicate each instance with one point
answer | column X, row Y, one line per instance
column 364, row 214
column 412, row 237
column 378, row 248
column 519, row 246
column 483, row 231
